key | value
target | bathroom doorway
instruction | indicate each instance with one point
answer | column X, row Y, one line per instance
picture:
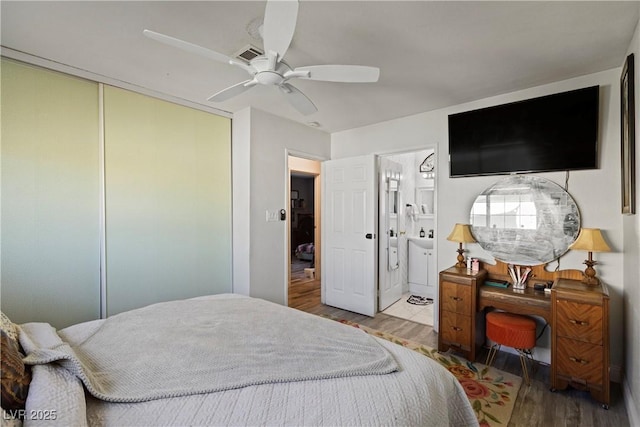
column 407, row 230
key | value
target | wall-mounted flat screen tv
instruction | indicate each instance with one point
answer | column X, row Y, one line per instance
column 556, row 132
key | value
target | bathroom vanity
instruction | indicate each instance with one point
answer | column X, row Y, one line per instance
column 421, row 263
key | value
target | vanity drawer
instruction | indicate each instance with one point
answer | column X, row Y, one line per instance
column 456, row 328
column 456, row 298
column 579, row 360
column 582, row 322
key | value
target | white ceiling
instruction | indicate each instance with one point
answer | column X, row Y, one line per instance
column 430, row 54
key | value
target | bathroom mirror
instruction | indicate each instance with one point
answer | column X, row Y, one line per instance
column 393, row 196
column 525, row 220
column 393, row 221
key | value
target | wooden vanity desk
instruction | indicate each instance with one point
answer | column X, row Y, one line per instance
column 577, row 314
column 528, row 301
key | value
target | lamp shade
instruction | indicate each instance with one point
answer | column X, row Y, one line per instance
column 461, row 233
column 590, row 239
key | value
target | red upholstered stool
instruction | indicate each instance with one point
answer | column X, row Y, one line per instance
column 512, row 330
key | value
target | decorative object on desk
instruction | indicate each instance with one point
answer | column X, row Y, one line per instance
column 591, row 240
column 525, row 220
column 627, row 126
column 491, row 392
column 497, row 283
column 462, row 234
column 518, row 276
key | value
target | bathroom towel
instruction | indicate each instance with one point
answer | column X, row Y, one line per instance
column 412, row 210
column 393, row 258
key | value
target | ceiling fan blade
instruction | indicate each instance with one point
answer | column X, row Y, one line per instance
column 338, row 73
column 194, row 48
column 232, row 91
column 280, row 18
column 298, row 99
column 187, row 46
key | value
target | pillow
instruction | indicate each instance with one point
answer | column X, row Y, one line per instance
column 15, row 375
column 8, row 326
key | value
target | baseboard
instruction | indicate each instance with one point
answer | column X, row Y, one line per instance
column 630, row 404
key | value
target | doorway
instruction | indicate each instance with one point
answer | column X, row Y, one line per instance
column 303, row 260
column 407, row 236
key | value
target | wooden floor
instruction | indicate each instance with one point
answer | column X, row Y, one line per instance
column 535, row 406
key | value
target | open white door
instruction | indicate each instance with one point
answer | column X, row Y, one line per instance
column 390, row 234
column 349, row 212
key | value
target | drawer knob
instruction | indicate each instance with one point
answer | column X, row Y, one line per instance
column 578, row 322
column 455, row 328
column 580, row 361
column 456, row 298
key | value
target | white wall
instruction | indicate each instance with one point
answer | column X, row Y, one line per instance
column 264, row 173
column 597, row 192
column 631, row 278
column 241, row 200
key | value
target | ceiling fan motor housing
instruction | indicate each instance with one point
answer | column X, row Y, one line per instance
column 266, row 76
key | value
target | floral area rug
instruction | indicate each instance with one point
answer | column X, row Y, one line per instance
column 492, row 392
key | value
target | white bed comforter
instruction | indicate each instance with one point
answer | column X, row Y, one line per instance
column 204, row 345
column 421, row 392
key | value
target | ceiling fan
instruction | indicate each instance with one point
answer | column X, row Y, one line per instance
column 269, row 69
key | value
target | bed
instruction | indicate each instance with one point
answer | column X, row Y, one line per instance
column 230, row 360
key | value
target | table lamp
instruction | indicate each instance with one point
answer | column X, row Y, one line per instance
column 461, row 233
column 591, row 240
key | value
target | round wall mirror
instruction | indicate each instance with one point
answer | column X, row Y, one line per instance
column 525, row 220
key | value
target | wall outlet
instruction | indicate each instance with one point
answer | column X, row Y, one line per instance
column 273, row 216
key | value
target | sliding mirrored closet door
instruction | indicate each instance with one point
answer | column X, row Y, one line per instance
column 111, row 200
column 168, row 201
column 50, row 196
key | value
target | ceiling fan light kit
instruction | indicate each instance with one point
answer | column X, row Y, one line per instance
column 269, row 69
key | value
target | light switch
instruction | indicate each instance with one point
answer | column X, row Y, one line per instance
column 272, row 216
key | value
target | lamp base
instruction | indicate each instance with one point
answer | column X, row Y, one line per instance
column 591, row 281
column 460, row 263
column 590, row 273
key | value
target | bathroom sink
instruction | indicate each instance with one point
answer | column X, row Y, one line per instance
column 423, row 242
